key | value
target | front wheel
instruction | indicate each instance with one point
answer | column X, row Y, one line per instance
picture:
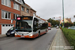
column 8, row 35
column 39, row 33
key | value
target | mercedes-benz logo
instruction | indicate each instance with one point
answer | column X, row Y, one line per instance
column 22, row 34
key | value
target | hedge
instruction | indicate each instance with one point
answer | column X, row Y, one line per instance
column 70, row 35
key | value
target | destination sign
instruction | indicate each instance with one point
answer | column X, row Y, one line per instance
column 27, row 18
column 24, row 18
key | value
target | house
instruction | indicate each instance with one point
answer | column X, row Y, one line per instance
column 66, row 20
column 69, row 19
column 26, row 10
column 9, row 9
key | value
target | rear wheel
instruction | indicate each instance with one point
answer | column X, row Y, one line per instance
column 46, row 31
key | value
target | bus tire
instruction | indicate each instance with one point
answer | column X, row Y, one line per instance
column 46, row 31
column 39, row 33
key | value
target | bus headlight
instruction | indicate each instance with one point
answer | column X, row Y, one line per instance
column 16, row 34
column 30, row 34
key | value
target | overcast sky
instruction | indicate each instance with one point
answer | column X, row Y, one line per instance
column 53, row 8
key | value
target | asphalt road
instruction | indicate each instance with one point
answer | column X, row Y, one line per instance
column 41, row 43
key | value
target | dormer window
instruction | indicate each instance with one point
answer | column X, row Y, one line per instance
column 34, row 14
column 22, row 8
column 27, row 10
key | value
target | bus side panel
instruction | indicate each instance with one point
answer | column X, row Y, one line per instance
column 43, row 31
column 35, row 34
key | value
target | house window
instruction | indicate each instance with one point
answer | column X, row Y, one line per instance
column 3, row 14
column 22, row 8
column 6, row 3
column 27, row 10
column 2, row 1
column 6, row 15
column 16, row 6
column 15, row 15
column 34, row 14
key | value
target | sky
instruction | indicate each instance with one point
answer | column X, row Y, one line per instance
column 53, row 8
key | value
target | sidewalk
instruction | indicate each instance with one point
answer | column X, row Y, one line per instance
column 2, row 35
column 59, row 42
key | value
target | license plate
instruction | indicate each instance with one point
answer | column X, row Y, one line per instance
column 22, row 36
column 8, row 33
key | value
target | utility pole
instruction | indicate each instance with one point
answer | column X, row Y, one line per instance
column 63, row 11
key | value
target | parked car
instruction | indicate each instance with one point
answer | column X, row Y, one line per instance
column 69, row 27
column 57, row 27
column 49, row 28
column 11, row 32
column 72, row 27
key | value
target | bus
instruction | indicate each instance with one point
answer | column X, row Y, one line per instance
column 49, row 26
column 30, row 27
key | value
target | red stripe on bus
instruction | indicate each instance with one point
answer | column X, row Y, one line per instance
column 42, row 33
column 24, row 36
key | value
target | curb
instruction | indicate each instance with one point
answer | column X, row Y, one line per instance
column 2, row 35
column 52, row 42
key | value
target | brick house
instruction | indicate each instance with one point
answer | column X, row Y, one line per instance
column 32, row 12
column 26, row 10
column 9, row 9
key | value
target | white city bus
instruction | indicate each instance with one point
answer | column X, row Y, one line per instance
column 29, row 27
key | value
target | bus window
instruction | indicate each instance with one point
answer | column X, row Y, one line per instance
column 35, row 24
column 25, row 25
column 44, row 26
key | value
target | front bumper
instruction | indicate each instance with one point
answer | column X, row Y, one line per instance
column 27, row 36
column 10, row 34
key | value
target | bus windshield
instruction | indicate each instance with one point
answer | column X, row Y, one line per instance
column 24, row 25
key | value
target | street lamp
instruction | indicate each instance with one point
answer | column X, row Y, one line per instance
column 63, row 11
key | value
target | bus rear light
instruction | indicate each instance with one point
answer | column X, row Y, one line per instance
column 18, row 18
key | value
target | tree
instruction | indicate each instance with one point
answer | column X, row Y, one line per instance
column 68, row 24
column 74, row 23
column 53, row 22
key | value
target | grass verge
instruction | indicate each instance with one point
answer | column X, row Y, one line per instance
column 70, row 35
